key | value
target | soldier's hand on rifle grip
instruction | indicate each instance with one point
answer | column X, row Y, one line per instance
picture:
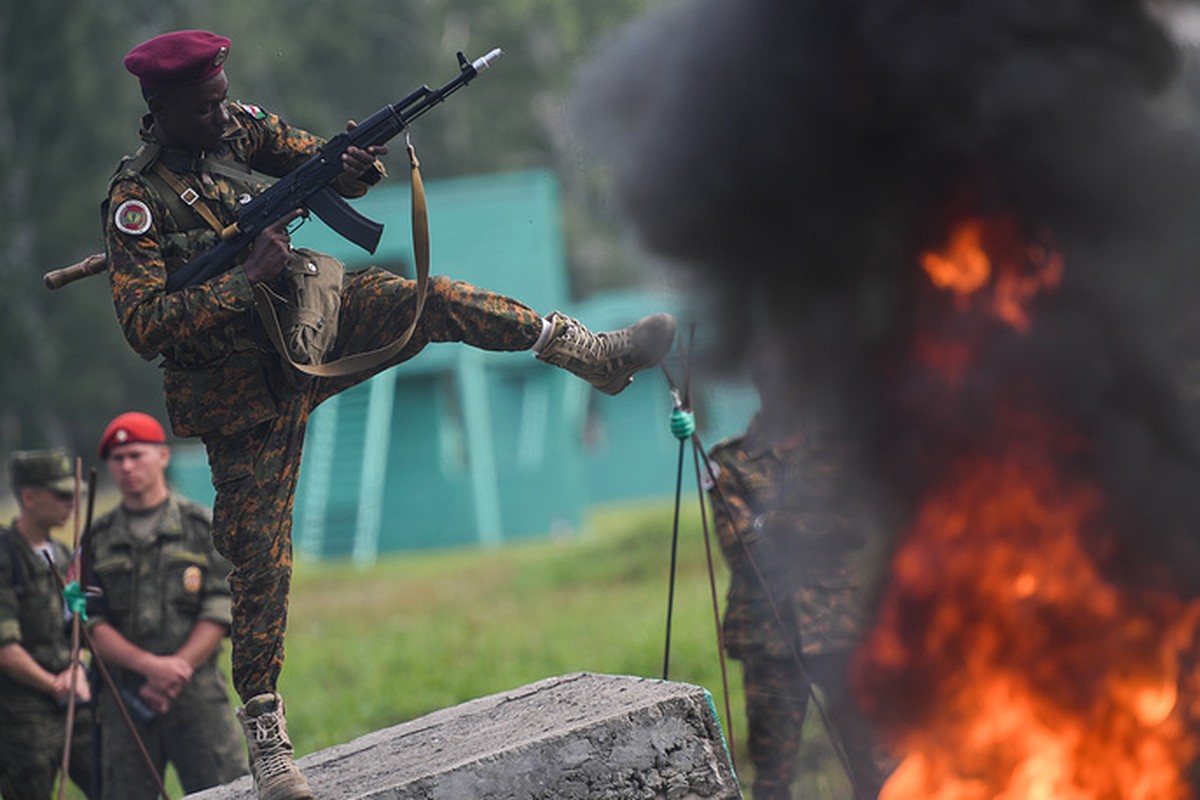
column 356, row 161
column 271, row 250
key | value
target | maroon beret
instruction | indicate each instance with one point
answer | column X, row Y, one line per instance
column 131, row 427
column 179, row 58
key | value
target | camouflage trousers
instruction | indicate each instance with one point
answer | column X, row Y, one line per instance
column 777, row 699
column 31, row 749
column 255, row 471
column 777, row 694
column 198, row 735
column 830, row 671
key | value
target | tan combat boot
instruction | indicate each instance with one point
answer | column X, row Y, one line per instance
column 608, row 360
column 276, row 776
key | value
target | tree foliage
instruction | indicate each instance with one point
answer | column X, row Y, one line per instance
column 69, row 111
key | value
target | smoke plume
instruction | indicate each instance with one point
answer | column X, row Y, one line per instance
column 797, row 156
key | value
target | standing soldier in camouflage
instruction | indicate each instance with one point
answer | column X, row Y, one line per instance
column 225, row 383
column 162, row 614
column 787, row 528
column 35, row 640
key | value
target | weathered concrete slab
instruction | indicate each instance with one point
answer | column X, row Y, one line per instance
column 574, row 736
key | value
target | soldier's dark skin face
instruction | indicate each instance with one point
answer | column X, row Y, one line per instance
column 193, row 118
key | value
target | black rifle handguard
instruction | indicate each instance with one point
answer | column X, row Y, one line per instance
column 307, row 187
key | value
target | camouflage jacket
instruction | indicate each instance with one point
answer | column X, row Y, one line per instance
column 785, row 519
column 32, row 611
column 154, row 592
column 219, row 366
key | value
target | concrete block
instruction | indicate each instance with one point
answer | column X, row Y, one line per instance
column 601, row 737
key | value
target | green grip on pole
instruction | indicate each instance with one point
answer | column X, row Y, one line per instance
column 76, row 599
column 683, row 423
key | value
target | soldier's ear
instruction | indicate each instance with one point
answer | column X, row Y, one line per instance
column 156, row 105
column 161, row 104
column 23, row 500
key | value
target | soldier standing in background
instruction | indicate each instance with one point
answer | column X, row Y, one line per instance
column 35, row 642
column 224, row 381
column 794, row 545
column 162, row 615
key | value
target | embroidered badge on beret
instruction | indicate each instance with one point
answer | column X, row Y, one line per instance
column 220, row 57
column 133, row 217
column 192, row 579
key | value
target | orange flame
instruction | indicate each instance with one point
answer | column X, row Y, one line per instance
column 1004, row 664
column 1044, row 679
column 988, row 251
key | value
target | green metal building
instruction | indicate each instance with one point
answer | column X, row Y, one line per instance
column 463, row 447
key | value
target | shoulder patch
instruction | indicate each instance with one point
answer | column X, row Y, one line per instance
column 252, row 110
column 193, row 579
column 132, row 217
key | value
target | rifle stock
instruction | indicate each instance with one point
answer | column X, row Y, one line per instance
column 92, row 265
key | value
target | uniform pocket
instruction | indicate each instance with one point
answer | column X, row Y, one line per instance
column 308, row 315
column 116, row 577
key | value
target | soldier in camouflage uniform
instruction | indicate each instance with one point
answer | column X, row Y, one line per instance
column 225, row 383
column 787, row 529
column 162, row 615
column 35, row 640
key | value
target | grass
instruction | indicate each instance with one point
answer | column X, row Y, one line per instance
column 415, row 634
column 367, row 649
column 370, row 648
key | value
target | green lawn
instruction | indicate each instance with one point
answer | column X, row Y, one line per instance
column 373, row 648
column 370, row 648
column 415, row 634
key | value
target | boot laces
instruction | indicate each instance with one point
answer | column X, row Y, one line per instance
column 596, row 345
column 273, row 757
column 274, row 763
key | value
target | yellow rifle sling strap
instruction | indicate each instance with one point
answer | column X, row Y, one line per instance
column 359, row 362
column 189, row 196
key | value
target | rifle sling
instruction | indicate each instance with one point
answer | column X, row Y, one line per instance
column 181, row 162
column 360, row 362
column 355, row 362
column 189, row 196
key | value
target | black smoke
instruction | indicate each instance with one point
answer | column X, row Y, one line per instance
column 796, row 156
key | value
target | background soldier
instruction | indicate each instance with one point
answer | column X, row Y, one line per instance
column 159, row 623
column 35, row 643
column 225, row 383
column 784, row 518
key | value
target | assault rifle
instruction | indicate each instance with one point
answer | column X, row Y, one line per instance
column 306, row 187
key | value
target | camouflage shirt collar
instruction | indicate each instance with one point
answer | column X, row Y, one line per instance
column 148, row 132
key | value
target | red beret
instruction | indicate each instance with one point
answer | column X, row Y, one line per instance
column 131, row 427
column 179, row 58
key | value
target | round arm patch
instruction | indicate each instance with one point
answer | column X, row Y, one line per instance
column 133, row 217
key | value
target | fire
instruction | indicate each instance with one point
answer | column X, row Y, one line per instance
column 988, row 252
column 1005, row 662
column 1039, row 678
